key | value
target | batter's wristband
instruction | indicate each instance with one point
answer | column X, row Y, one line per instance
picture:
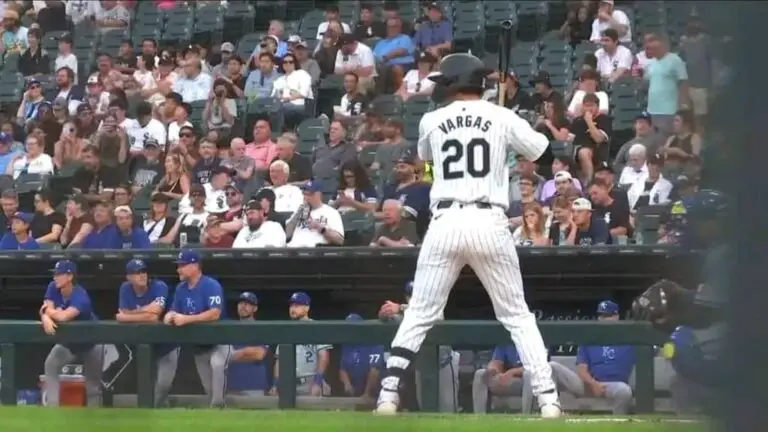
column 319, row 377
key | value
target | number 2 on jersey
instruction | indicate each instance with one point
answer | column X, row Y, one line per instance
column 456, row 156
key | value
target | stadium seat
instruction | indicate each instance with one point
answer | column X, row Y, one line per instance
column 27, row 182
column 530, row 19
column 309, row 24
column 239, row 19
column 179, row 29
column 368, row 154
column 11, row 86
column 112, row 39
column 418, row 105
column 248, row 44
column 387, row 105
column 647, row 221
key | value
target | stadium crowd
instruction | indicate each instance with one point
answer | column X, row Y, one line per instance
column 278, row 139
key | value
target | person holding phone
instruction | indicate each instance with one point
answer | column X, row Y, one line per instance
column 220, row 110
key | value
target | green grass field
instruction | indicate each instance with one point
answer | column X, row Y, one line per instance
column 22, row 419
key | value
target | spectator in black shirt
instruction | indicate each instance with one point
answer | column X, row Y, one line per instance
column 47, row 224
column 615, row 213
column 53, row 17
column 367, row 27
column 34, row 60
column 591, row 136
column 586, row 229
column 544, row 92
column 353, row 103
column 9, row 201
column 126, row 59
column 606, row 174
column 554, row 126
column 203, row 169
column 562, row 220
column 96, row 182
column 300, row 166
column 517, row 99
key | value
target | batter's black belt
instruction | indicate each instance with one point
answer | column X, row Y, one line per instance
column 450, row 203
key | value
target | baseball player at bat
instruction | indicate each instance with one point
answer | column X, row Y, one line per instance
column 198, row 299
column 469, row 141
column 311, row 360
column 142, row 299
column 448, row 375
column 64, row 301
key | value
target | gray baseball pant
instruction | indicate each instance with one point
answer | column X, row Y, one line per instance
column 60, row 356
column 305, row 388
column 166, row 372
column 619, row 393
column 482, row 388
column 212, row 368
column 448, row 385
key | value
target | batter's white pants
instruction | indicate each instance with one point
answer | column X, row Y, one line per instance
column 481, row 239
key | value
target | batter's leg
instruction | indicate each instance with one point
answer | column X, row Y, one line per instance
column 491, row 254
column 166, row 372
column 93, row 368
column 437, row 269
column 58, row 357
column 620, row 395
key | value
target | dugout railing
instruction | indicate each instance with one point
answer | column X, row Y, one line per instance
column 287, row 334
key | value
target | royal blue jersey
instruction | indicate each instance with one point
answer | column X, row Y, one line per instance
column 78, row 299
column 358, row 360
column 157, row 292
column 10, row 242
column 206, row 295
column 507, row 354
column 247, row 376
column 607, row 363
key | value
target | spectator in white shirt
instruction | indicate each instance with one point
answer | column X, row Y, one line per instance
column 144, row 84
column 416, row 81
column 148, row 127
column 65, row 57
column 78, row 10
column 314, row 223
column 33, row 161
column 609, row 17
column 95, row 95
column 195, row 85
column 180, row 119
column 636, row 168
column 356, row 57
column 613, row 60
column 331, row 13
column 293, row 89
column 651, row 189
column 220, row 110
column 588, row 83
column 258, row 231
column 288, row 197
column 110, row 14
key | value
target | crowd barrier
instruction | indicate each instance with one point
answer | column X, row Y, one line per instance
column 287, row 334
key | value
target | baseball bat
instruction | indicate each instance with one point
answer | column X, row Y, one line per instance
column 505, row 48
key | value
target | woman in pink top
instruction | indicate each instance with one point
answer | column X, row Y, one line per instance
column 262, row 150
column 165, row 4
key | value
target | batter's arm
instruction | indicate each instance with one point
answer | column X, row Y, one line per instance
column 423, row 146
column 522, row 138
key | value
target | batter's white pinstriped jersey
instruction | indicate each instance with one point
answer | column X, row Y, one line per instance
column 468, row 143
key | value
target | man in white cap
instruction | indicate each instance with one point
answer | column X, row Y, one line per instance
column 586, row 230
column 226, row 50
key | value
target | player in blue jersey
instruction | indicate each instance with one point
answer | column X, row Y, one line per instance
column 199, row 299
column 64, row 301
column 247, row 373
column 360, row 368
column 144, row 300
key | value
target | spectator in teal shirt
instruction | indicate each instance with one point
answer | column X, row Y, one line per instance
column 260, row 81
column 19, row 236
column 6, row 153
column 667, row 78
column 397, row 48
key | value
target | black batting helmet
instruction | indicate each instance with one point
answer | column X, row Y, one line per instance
column 461, row 71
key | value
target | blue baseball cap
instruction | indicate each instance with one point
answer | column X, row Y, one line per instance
column 354, row 317
column 64, row 267
column 312, row 186
column 5, row 138
column 249, row 297
column 136, row 266
column 188, row 256
column 409, row 287
column 24, row 217
column 300, row 298
column 607, row 307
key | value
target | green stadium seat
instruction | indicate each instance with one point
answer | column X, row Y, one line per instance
column 647, row 221
column 309, row 24
column 561, row 148
column 11, row 62
column 332, row 82
column 312, row 128
column 149, row 16
column 263, row 105
column 418, row 105
column 69, row 169
column 112, row 39
column 180, row 31
column 349, row 10
column 387, row 105
column 209, row 18
column 248, row 44
column 50, row 41
column 498, row 11
column 239, row 19
column 368, row 154
column 26, row 183
column 11, row 86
